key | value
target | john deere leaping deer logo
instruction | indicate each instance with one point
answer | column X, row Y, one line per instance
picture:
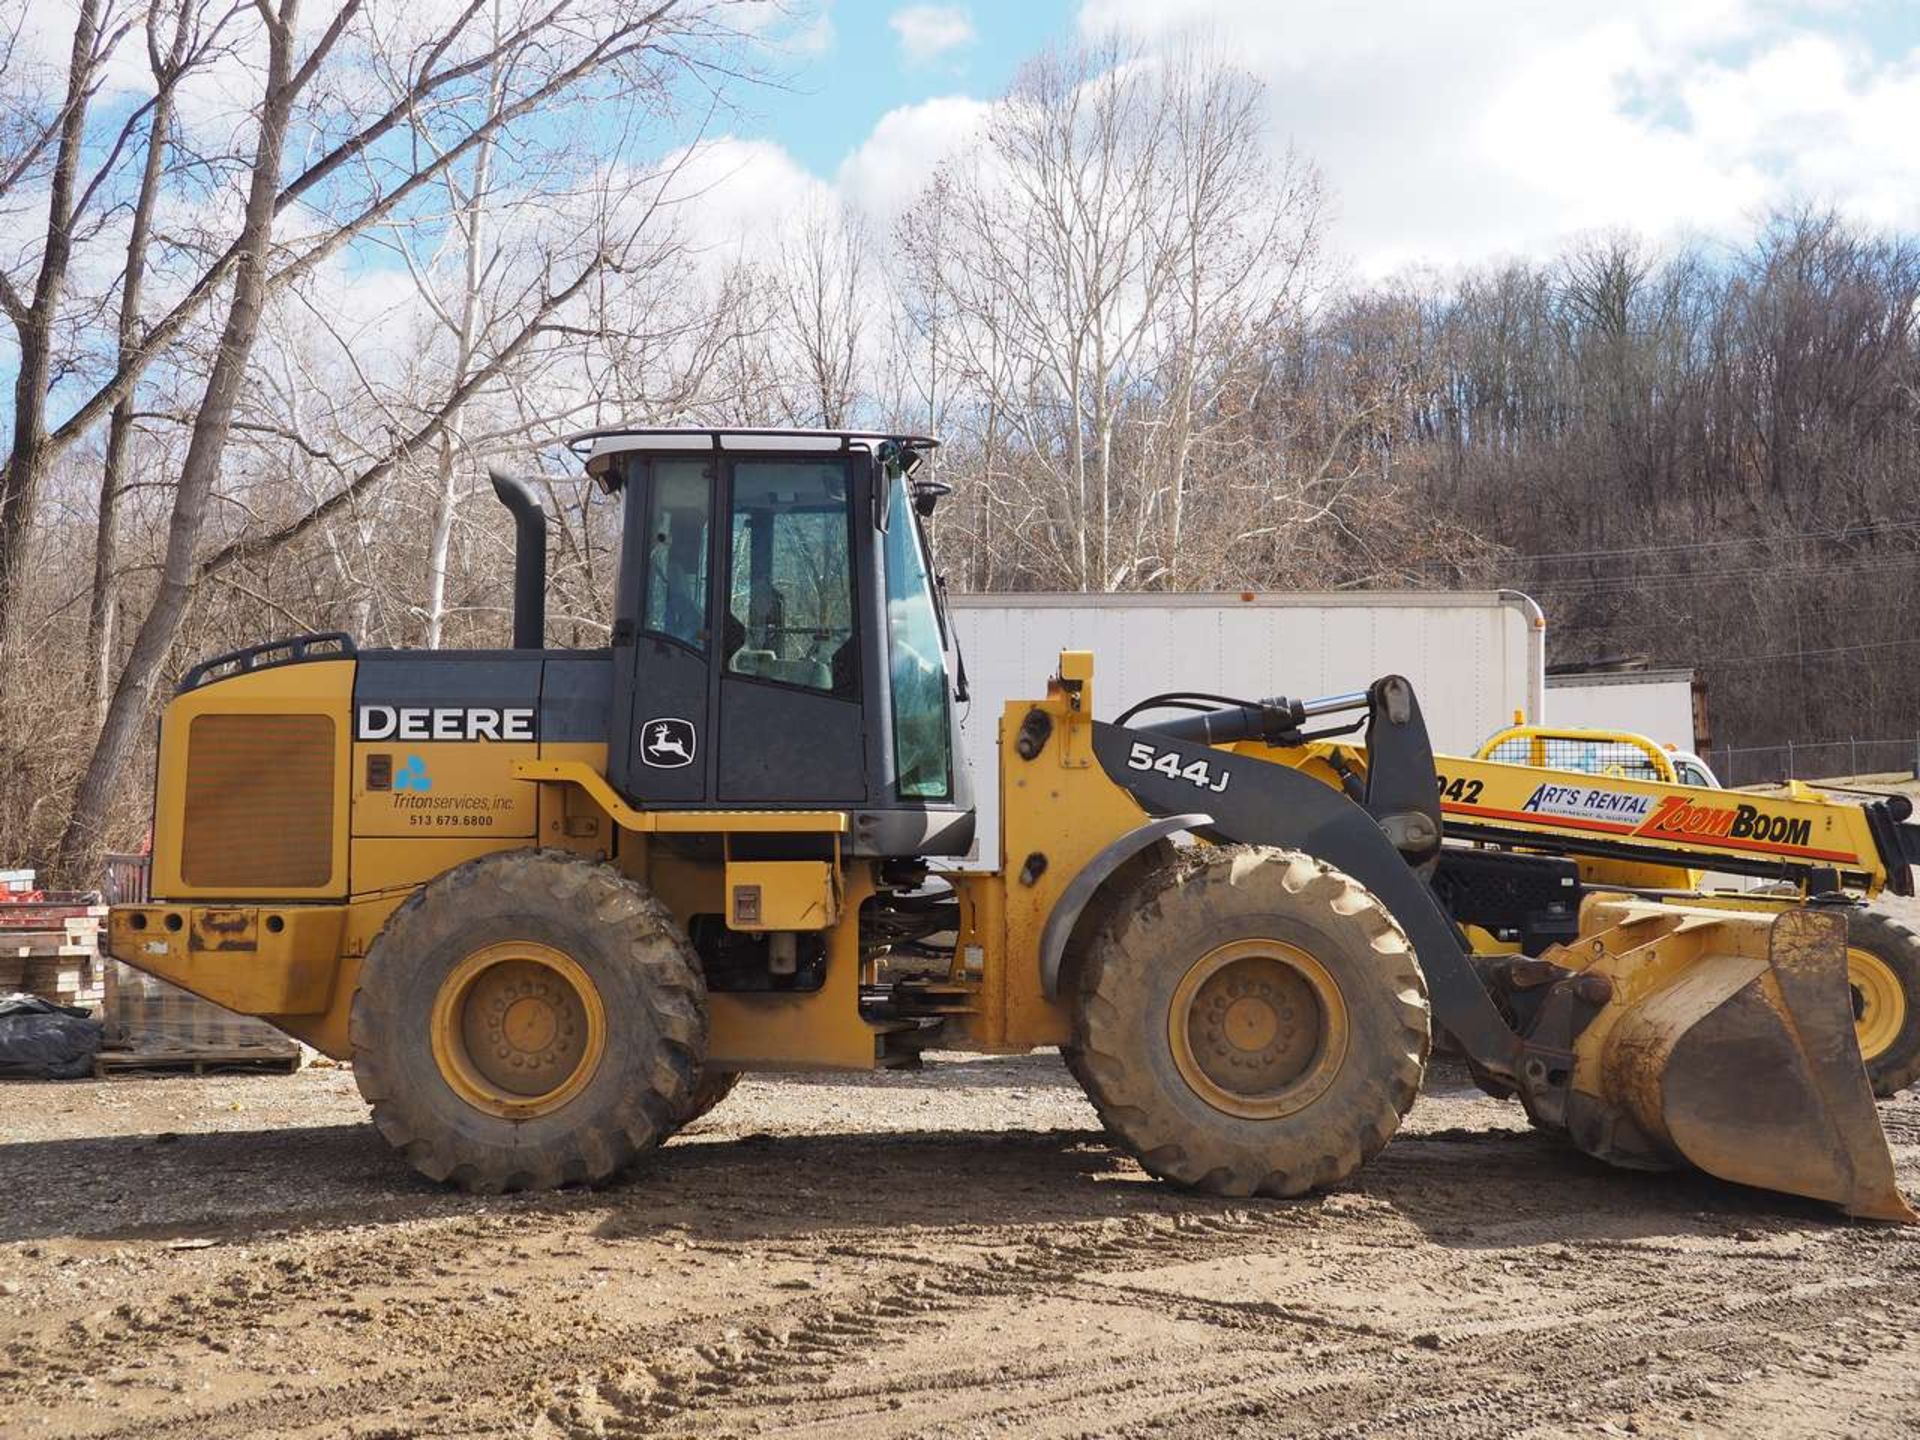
column 667, row 744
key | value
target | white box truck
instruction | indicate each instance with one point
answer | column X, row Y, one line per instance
column 1655, row 703
column 1476, row 658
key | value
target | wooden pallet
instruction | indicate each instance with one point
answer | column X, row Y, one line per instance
column 69, row 980
column 109, row 1063
column 36, row 916
column 51, row 947
column 148, row 1016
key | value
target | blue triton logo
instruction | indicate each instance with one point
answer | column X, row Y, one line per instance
column 413, row 776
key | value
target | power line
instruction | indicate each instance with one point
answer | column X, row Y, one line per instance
column 1869, row 530
column 1619, row 584
column 1780, row 655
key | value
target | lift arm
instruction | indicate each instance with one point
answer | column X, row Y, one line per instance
column 1252, row 801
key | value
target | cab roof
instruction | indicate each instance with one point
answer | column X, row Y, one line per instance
column 598, row 447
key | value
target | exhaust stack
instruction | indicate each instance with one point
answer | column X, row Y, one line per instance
column 529, row 559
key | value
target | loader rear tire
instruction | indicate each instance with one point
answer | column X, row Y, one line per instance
column 1883, row 972
column 1252, row 1021
column 526, row 1020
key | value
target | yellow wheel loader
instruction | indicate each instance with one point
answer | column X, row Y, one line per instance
column 1610, row 813
column 548, row 902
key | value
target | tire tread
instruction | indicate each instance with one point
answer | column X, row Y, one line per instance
column 1108, row 1024
column 637, row 925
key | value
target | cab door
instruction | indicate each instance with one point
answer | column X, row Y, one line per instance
column 790, row 718
column 661, row 750
column 738, row 674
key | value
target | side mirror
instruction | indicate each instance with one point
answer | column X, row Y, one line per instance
column 886, row 459
column 927, row 494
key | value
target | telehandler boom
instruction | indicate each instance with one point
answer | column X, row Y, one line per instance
column 549, row 902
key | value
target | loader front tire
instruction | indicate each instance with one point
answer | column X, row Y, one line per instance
column 526, row 1020
column 1883, row 972
column 714, row 1086
column 1252, row 1021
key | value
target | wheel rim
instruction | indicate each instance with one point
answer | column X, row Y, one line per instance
column 1258, row 1028
column 518, row 1029
column 1879, row 1004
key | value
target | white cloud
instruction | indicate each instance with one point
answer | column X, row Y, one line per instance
column 893, row 163
column 929, row 31
column 1452, row 133
column 735, row 199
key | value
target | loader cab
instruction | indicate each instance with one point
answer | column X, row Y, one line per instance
column 779, row 639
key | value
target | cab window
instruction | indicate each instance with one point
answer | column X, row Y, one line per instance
column 916, row 666
column 679, row 505
column 790, row 588
column 1691, row 774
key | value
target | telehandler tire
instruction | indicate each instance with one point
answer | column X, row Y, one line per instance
column 1883, row 971
column 1251, row 1021
column 526, row 1020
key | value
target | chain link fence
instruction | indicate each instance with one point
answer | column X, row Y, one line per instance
column 1814, row 760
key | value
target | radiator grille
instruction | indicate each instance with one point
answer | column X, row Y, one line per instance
column 259, row 811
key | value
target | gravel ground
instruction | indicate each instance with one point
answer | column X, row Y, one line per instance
column 955, row 1251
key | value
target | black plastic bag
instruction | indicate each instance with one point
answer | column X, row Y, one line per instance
column 40, row 1040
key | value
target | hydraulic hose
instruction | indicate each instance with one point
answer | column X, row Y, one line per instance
column 1268, row 719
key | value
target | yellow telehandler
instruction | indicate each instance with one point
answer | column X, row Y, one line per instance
column 550, row 902
column 1542, row 816
column 1703, row 836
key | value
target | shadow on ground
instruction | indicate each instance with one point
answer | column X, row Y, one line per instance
column 1472, row 1189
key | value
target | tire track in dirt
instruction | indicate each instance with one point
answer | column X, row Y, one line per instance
column 1578, row 1328
column 737, row 1367
column 788, row 1362
column 881, row 1282
column 789, row 1369
column 1492, row 1385
column 329, row 1278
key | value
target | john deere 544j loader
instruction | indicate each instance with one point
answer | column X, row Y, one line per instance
column 549, row 902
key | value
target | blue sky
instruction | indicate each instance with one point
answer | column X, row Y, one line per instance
column 1447, row 133
column 862, row 69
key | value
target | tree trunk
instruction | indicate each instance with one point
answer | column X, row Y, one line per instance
column 446, row 500
column 103, row 609
column 78, row 858
column 27, row 462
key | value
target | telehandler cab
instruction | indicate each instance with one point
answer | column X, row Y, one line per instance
column 550, row 902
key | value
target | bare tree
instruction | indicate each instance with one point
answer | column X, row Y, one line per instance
column 550, row 51
column 1104, row 267
column 126, row 710
column 97, row 31
column 179, row 35
column 1243, row 234
column 471, row 200
column 823, row 286
column 1054, row 216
